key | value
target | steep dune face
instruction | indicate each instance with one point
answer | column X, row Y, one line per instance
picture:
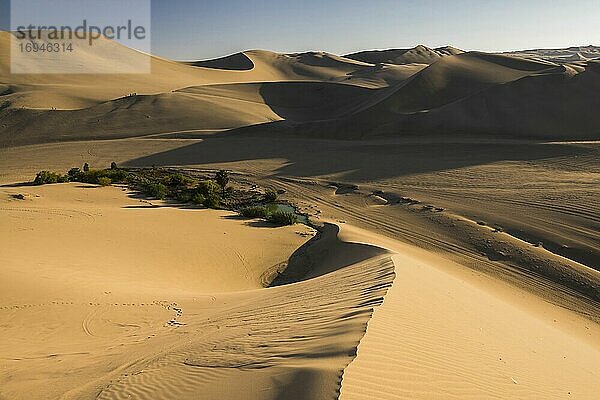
column 382, row 75
column 201, row 109
column 234, row 62
column 419, row 55
column 482, row 94
column 556, row 104
column 263, row 65
column 74, row 91
column 454, row 78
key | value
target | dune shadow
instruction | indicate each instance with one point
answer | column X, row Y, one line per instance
column 313, row 101
column 252, row 222
column 304, row 384
column 234, row 62
column 18, row 185
column 323, row 254
column 354, row 160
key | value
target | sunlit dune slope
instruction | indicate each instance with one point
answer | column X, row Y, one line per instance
column 420, row 54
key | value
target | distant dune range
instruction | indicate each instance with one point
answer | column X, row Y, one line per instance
column 392, row 93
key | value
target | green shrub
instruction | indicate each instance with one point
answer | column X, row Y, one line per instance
column 208, row 201
column 207, row 193
column 91, row 176
column 47, row 177
column 94, row 175
column 254, row 212
column 116, row 175
column 184, row 196
column 156, row 190
column 198, row 198
column 212, row 201
column 104, row 181
column 75, row 175
column 207, row 188
column 282, row 218
column 113, row 165
column 176, row 180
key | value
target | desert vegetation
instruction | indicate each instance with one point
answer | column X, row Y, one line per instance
column 184, row 187
column 47, row 177
column 282, row 218
column 254, row 212
column 270, row 213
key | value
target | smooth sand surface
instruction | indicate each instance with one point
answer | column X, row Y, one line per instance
column 444, row 333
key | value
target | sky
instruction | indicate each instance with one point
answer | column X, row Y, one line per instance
column 189, row 30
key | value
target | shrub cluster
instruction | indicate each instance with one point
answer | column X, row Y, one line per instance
column 270, row 214
column 207, row 194
column 47, row 177
column 176, row 181
column 156, row 190
column 254, row 212
column 154, row 183
column 98, row 176
column 282, row 218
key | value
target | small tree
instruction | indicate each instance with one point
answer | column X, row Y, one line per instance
column 86, row 167
column 222, row 179
column 271, row 196
column 113, row 165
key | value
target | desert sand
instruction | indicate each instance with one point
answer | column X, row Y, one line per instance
column 454, row 252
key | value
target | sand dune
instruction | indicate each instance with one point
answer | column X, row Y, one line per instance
column 455, row 78
column 411, row 91
column 70, row 91
column 448, row 338
column 177, row 96
column 419, row 55
column 148, row 328
column 144, row 315
column 530, row 107
column 477, row 94
column 568, row 55
column 197, row 108
column 233, row 62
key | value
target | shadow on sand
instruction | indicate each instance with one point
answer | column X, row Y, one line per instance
column 323, row 254
column 356, row 160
